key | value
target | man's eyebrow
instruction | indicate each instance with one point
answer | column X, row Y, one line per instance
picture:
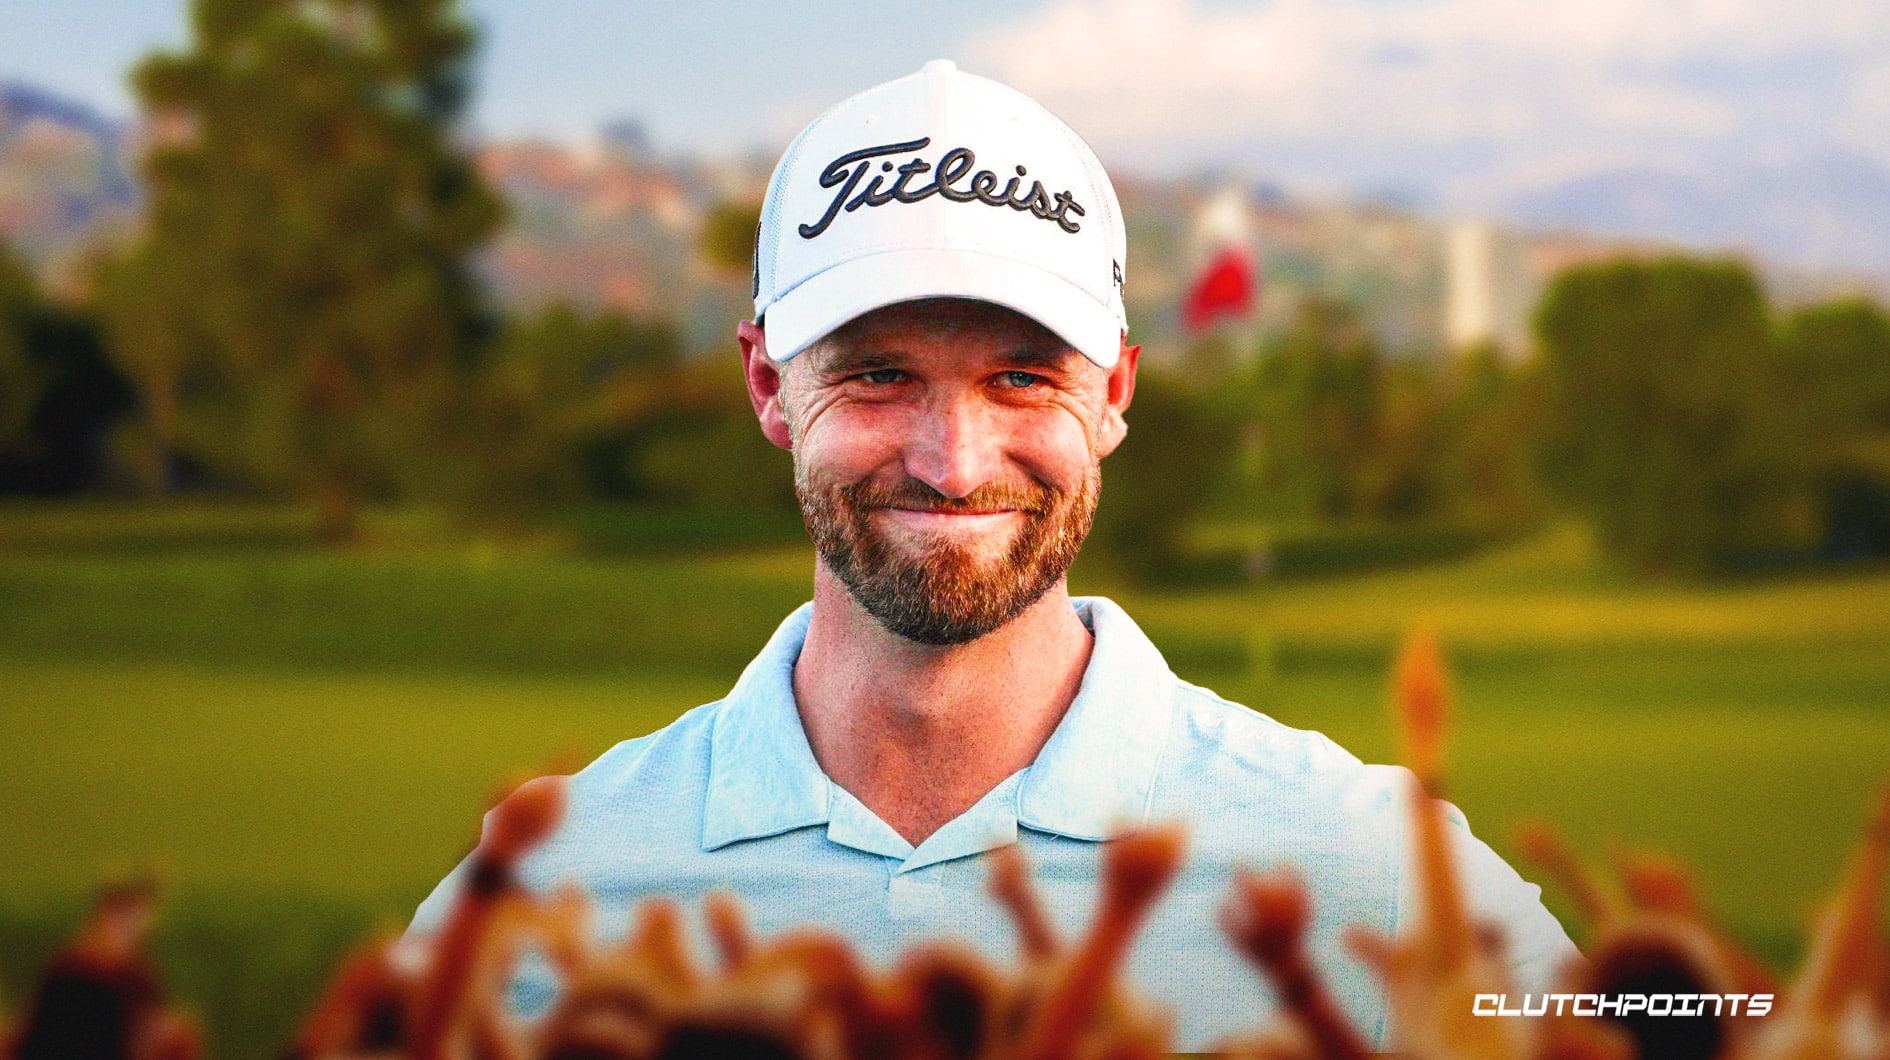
column 839, row 360
column 835, row 359
column 1045, row 356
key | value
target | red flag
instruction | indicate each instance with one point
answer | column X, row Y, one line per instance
column 1224, row 288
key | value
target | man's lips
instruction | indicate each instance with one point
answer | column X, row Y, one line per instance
column 950, row 519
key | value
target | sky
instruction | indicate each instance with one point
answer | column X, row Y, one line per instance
column 724, row 76
column 1450, row 103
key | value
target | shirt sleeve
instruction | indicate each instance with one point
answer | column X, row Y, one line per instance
column 1537, row 946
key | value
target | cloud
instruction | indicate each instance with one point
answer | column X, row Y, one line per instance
column 1469, row 99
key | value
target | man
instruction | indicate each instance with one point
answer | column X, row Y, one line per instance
column 939, row 341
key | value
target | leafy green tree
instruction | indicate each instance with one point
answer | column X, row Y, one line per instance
column 1485, row 469
column 1662, row 421
column 1161, row 478
column 700, row 447
column 60, row 397
column 146, row 311
column 303, row 294
column 1318, row 403
column 551, row 385
column 1836, row 358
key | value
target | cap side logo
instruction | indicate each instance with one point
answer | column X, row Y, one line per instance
column 846, row 172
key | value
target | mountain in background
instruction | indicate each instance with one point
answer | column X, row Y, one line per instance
column 1826, row 210
column 66, row 178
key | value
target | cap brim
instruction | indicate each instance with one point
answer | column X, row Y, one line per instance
column 825, row 301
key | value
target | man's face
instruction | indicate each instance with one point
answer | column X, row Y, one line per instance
column 946, row 459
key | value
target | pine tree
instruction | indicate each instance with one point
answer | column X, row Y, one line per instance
column 302, row 299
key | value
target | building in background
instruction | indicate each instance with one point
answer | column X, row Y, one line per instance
column 1489, row 288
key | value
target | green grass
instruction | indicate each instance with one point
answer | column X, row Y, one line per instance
column 305, row 738
column 364, row 787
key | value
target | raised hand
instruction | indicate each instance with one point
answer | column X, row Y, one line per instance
column 1267, row 917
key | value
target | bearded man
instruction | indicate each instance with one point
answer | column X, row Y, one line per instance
column 940, row 342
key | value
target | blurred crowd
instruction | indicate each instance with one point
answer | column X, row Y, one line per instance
column 1658, row 980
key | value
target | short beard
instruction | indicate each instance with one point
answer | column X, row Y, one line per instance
column 949, row 594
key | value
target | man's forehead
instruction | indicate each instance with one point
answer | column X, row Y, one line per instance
column 898, row 327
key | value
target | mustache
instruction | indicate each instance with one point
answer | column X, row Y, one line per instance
column 916, row 495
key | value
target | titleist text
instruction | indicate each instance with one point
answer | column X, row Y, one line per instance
column 849, row 169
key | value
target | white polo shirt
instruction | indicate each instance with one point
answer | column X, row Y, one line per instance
column 730, row 796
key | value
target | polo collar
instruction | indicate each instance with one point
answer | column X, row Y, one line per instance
column 763, row 779
column 1094, row 775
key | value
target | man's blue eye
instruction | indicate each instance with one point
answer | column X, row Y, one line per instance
column 882, row 376
column 1020, row 380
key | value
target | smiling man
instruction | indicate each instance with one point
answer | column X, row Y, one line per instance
column 940, row 342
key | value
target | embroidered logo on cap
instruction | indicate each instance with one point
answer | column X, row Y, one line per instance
column 846, row 172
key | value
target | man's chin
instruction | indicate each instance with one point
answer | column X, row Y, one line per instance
column 944, row 596
column 948, row 619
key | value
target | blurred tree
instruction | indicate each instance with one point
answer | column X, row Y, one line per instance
column 1488, row 432
column 1662, row 414
column 1317, row 404
column 59, row 396
column 551, row 386
column 21, row 381
column 146, row 310
column 302, row 297
column 1836, row 358
column 569, row 407
column 701, row 447
column 727, row 240
column 1162, row 478
column 1341, row 432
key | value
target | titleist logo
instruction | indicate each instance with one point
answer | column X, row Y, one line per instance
column 849, row 169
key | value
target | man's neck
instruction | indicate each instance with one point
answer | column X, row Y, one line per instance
column 919, row 733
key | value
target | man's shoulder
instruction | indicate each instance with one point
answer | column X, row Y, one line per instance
column 1238, row 772
column 645, row 789
column 642, row 795
column 679, row 745
column 649, row 771
column 1216, row 733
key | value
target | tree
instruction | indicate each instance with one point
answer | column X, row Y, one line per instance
column 59, row 396
column 1662, row 419
column 1485, row 471
column 302, row 299
column 21, row 381
column 727, row 239
column 551, row 385
column 1321, row 400
column 1836, row 359
column 1161, row 478
column 146, row 311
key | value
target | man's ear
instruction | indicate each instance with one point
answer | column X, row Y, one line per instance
column 764, row 383
column 1120, row 390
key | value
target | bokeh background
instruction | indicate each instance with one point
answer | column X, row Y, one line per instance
column 371, row 428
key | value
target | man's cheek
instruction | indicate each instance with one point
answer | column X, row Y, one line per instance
column 1060, row 458
column 856, row 438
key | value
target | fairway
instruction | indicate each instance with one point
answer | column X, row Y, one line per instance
column 359, row 787
column 305, row 740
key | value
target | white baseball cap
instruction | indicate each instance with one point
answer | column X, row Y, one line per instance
column 940, row 184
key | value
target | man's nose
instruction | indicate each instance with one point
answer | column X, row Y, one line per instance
column 953, row 446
